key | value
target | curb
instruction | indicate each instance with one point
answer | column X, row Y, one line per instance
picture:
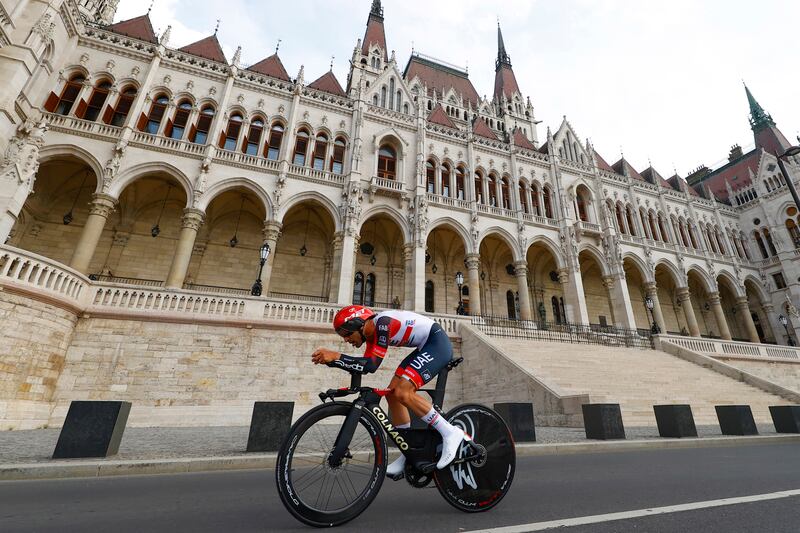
column 94, row 468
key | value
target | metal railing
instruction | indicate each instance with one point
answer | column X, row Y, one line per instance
column 139, row 282
column 563, row 332
column 298, row 297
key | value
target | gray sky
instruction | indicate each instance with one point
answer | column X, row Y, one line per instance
column 659, row 80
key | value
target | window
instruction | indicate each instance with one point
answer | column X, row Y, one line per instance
column 662, row 227
column 479, row 188
column 460, row 183
column 548, row 208
column 645, row 225
column 97, row 100
column 629, row 216
column 369, row 290
column 397, row 101
column 199, row 133
column 692, row 237
column 506, row 193
column 387, row 163
column 794, row 233
column 337, row 159
column 391, row 93
column 430, row 177
column 429, row 296
column 653, row 230
column 523, row 198
column 770, row 244
column 511, row 305
column 320, row 151
column 383, row 96
column 493, row 190
column 63, row 104
column 156, row 114
column 556, row 309
column 445, row 180
column 537, row 210
column 253, row 139
column 230, row 138
column 120, row 113
column 275, row 138
column 581, row 203
column 358, row 289
column 761, row 246
column 780, row 283
column 181, row 119
column 621, row 219
column 300, row 148
column 720, row 244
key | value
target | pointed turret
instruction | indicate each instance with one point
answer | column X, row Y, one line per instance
column 375, row 34
column 766, row 133
column 505, row 83
column 138, row 27
column 208, row 48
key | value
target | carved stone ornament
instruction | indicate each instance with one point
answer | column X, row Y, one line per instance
column 21, row 158
column 212, row 91
column 84, row 59
column 342, row 124
column 306, row 114
column 281, row 109
column 324, row 119
column 791, row 310
column 240, row 98
column 167, row 80
column 135, row 71
column 190, row 85
column 110, row 65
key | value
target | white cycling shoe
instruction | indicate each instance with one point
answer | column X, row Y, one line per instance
column 397, row 468
column 450, row 446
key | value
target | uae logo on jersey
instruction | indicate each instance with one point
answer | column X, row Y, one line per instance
column 426, row 375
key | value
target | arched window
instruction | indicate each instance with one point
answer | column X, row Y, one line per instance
column 537, row 209
column 337, row 158
column 176, row 127
column 397, row 101
column 369, row 290
column 492, row 190
column 556, row 309
column 375, row 99
column 692, row 237
column 124, row 103
column 152, row 122
column 430, row 176
column 230, row 138
column 383, row 96
column 387, row 162
column 523, row 198
column 320, row 151
column 548, row 207
column 663, row 228
column 761, row 246
column 684, row 236
column 199, row 133
column 653, row 230
column 581, row 203
column 630, row 218
column 770, row 244
column 405, row 109
column 253, row 139
column 511, row 305
column 794, row 232
column 358, row 289
column 710, row 238
column 300, row 148
column 621, row 219
column 445, row 185
column 645, row 225
column 97, row 100
column 460, row 178
column 275, row 137
column 62, row 105
column 391, row 93
column 429, row 296
column 506, row 190
column 720, row 244
column 479, row 188
column 744, row 247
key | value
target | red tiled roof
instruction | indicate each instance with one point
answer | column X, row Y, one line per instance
column 505, row 83
column 772, row 140
column 679, row 184
column 601, row 163
column 651, row 175
column 438, row 116
column 328, row 83
column 440, row 78
column 622, row 165
column 481, row 128
column 271, row 66
column 208, row 48
column 522, row 141
column 736, row 173
column 138, row 28
column 374, row 35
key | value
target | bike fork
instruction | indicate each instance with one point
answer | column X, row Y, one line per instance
column 345, row 435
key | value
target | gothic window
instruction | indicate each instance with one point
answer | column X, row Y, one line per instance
column 429, row 296
column 720, row 244
column 629, row 217
column 178, row 125
column 387, row 162
column 383, row 96
column 523, row 198
column 358, row 289
column 397, row 101
column 337, row 159
column 430, row 176
column 97, row 100
column 479, row 188
column 492, row 190
column 511, row 305
column 445, row 181
column 253, row 139
column 506, row 193
column 320, row 151
column 151, row 123
column 230, row 138
column 794, row 232
column 662, row 227
column 275, row 137
column 199, row 133
column 692, row 237
column 760, row 243
column 391, row 93
column 548, row 207
column 120, row 112
column 537, row 210
column 63, row 104
column 369, row 290
column 375, row 99
column 430, row 105
column 556, row 309
column 460, row 178
column 653, row 229
column 621, row 219
column 770, row 244
column 645, row 225
column 300, row 148
column 405, row 109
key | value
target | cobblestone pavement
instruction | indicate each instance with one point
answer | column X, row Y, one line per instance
column 33, row 446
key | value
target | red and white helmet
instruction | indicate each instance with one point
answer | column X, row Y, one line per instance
column 351, row 318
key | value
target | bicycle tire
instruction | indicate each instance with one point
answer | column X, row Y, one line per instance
column 290, row 461
column 475, row 488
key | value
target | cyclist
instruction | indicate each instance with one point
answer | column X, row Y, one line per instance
column 357, row 325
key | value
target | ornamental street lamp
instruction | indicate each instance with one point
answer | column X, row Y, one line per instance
column 460, row 283
column 263, row 254
column 784, row 321
column 654, row 329
column 792, row 151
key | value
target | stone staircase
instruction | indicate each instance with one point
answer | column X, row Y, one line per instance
column 637, row 379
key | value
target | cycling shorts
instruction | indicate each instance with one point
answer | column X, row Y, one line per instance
column 421, row 365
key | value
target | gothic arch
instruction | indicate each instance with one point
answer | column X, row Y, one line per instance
column 753, row 283
column 457, row 227
column 390, row 213
column 597, row 255
column 708, row 284
column 504, row 236
column 677, row 277
column 732, row 282
column 319, row 198
column 640, row 265
column 394, row 138
column 57, row 151
column 155, row 167
column 230, row 183
column 548, row 243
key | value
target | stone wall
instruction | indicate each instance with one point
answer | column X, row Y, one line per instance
column 36, row 337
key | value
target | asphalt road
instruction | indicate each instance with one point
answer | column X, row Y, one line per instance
column 545, row 489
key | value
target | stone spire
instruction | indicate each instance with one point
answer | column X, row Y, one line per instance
column 765, row 132
column 505, row 83
column 376, row 9
column 375, row 34
column 502, row 55
column 759, row 119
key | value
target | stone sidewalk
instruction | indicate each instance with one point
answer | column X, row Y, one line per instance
column 36, row 446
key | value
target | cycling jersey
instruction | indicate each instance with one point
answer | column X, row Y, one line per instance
column 404, row 328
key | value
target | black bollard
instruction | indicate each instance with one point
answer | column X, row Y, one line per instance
column 786, row 418
column 92, row 429
column 519, row 417
column 675, row 421
column 603, row 421
column 269, row 426
column 736, row 420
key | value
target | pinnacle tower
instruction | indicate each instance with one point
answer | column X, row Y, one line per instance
column 765, row 132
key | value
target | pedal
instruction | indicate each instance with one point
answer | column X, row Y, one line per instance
column 396, row 477
column 426, row 468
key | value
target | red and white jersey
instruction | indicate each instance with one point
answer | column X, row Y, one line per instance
column 405, row 328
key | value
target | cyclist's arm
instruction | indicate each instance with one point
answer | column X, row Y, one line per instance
column 374, row 354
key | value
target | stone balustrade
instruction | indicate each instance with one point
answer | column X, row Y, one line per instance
column 732, row 349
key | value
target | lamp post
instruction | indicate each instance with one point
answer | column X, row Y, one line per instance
column 792, row 151
column 460, row 283
column 263, row 254
column 654, row 329
column 784, row 321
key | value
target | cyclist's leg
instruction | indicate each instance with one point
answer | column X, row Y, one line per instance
column 398, row 413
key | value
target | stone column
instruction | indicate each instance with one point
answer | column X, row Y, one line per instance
column 271, row 232
column 743, row 308
column 716, row 306
column 474, row 280
column 620, row 301
column 574, row 300
column 774, row 325
column 99, row 210
column 408, row 276
column 658, row 315
column 191, row 222
column 521, row 272
column 336, row 260
column 418, row 278
column 686, row 303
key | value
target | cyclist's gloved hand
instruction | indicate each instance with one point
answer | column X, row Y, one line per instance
column 324, row 356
